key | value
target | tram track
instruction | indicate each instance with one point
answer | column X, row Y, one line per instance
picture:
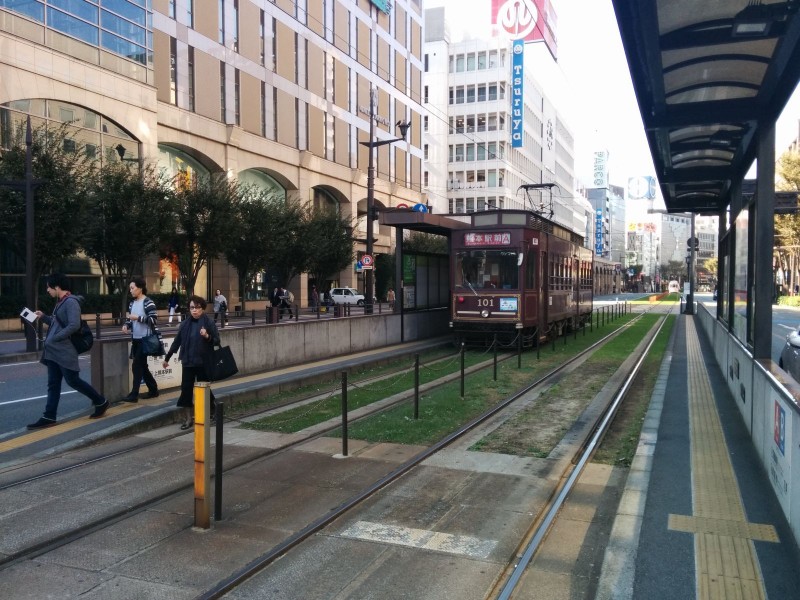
column 136, row 507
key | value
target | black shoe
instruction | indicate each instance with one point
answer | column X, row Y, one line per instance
column 151, row 395
column 131, row 398
column 99, row 410
column 42, row 423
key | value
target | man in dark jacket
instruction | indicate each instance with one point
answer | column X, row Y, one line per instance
column 59, row 354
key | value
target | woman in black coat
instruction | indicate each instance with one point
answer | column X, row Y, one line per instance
column 196, row 339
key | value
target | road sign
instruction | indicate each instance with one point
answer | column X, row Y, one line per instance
column 403, row 205
column 366, row 261
column 420, row 208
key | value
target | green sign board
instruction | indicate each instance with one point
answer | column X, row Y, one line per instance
column 384, row 5
column 409, row 269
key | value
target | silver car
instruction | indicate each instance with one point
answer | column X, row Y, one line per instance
column 790, row 355
column 347, row 295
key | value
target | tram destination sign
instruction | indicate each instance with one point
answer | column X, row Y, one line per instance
column 487, row 239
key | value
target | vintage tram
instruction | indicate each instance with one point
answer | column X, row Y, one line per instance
column 515, row 273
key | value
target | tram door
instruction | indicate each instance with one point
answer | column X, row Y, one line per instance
column 544, row 279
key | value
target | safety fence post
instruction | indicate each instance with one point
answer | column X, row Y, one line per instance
column 494, row 345
column 344, row 413
column 462, row 370
column 253, row 316
column 202, row 447
column 97, row 329
column 416, row 386
column 219, row 414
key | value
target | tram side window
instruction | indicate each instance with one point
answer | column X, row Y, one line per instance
column 487, row 269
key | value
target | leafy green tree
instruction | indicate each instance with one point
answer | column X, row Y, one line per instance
column 61, row 167
column 421, row 242
column 787, row 227
column 287, row 250
column 328, row 236
column 248, row 247
column 673, row 269
column 205, row 223
column 133, row 213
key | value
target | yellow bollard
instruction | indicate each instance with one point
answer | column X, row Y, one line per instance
column 202, row 452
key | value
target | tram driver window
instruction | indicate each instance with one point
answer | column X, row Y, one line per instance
column 487, row 269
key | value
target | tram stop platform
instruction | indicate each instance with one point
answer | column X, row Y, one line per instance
column 698, row 517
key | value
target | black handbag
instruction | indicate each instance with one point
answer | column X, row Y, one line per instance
column 152, row 345
column 223, row 364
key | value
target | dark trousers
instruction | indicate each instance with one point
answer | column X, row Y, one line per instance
column 190, row 375
column 141, row 370
column 55, row 373
column 284, row 306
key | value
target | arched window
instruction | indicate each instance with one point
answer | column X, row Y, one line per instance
column 179, row 165
column 262, row 181
column 90, row 132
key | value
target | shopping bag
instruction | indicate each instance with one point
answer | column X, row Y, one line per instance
column 223, row 365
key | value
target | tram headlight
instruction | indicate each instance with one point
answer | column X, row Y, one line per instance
column 484, row 313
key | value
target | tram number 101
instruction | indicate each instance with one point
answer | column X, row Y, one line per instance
column 486, row 302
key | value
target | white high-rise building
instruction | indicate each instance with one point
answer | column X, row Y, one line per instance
column 470, row 163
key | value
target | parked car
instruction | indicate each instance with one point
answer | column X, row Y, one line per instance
column 790, row 355
column 347, row 296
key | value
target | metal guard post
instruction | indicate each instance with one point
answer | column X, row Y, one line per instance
column 202, row 449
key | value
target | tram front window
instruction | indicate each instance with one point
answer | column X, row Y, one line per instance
column 487, row 269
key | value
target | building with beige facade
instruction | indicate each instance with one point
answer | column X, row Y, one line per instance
column 272, row 92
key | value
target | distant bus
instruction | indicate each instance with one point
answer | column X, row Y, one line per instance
column 674, row 286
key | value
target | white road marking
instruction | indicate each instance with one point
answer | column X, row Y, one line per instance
column 34, row 398
column 421, row 538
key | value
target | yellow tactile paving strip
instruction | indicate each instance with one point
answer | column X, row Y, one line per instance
column 41, row 434
column 725, row 557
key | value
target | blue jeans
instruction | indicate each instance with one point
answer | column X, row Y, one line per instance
column 55, row 373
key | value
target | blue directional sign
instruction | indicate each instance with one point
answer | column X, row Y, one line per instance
column 420, row 208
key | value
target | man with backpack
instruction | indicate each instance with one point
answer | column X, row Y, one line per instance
column 59, row 354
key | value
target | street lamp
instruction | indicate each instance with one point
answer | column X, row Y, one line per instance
column 369, row 281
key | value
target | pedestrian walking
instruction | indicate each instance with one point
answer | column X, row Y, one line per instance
column 196, row 339
column 141, row 321
column 220, row 308
column 390, row 297
column 314, row 298
column 60, row 356
column 173, row 303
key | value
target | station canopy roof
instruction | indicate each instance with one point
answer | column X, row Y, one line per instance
column 705, row 74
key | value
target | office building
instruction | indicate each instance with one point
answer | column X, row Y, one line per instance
column 273, row 92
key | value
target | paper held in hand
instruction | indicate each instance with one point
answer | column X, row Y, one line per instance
column 28, row 315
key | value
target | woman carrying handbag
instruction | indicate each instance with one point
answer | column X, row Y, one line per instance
column 197, row 336
column 141, row 322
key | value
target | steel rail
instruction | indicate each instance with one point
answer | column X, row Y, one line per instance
column 544, row 525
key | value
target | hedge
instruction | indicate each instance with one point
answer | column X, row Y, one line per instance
column 11, row 305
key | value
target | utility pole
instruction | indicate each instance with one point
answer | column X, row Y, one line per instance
column 369, row 276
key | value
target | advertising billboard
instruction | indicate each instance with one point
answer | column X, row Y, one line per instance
column 517, row 96
column 527, row 20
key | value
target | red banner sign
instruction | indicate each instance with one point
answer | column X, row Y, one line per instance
column 529, row 20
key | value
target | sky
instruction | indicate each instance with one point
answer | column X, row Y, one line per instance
column 591, row 85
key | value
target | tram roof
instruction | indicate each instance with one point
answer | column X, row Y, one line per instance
column 707, row 75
